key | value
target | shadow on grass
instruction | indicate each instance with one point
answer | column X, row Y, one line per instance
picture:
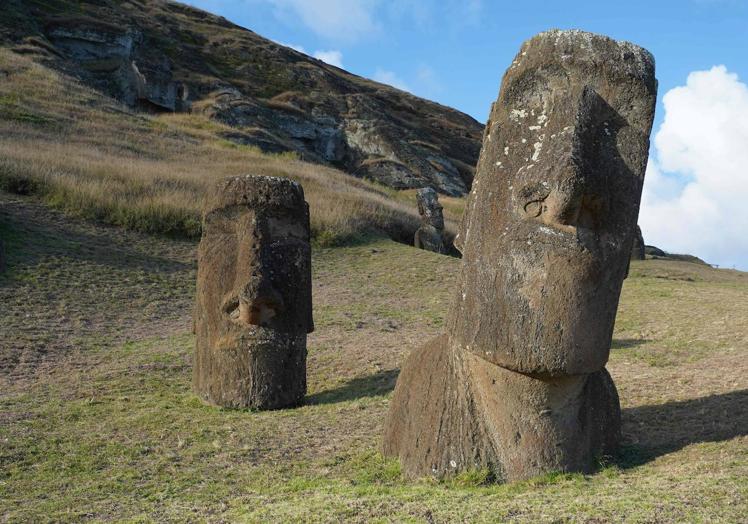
column 624, row 343
column 34, row 232
column 648, row 431
column 372, row 386
column 652, row 431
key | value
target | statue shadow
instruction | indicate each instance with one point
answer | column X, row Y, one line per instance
column 656, row 430
column 624, row 343
column 374, row 385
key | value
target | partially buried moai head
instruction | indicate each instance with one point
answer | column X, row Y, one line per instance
column 548, row 227
column 255, row 257
column 429, row 207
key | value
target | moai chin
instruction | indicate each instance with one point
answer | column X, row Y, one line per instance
column 430, row 236
column 518, row 384
column 254, row 294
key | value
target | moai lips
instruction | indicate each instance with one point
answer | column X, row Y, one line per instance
column 518, row 384
column 254, row 298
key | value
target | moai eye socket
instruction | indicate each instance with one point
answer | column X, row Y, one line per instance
column 534, row 208
column 534, row 197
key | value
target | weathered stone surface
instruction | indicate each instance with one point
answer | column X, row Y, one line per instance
column 548, row 226
column 452, row 411
column 115, row 60
column 254, row 294
column 430, row 236
column 637, row 248
column 518, row 384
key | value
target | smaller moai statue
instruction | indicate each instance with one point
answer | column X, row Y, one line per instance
column 637, row 249
column 254, row 294
column 430, row 236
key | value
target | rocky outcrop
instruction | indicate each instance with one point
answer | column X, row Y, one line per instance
column 518, row 384
column 654, row 251
column 114, row 59
column 350, row 131
column 164, row 56
column 254, row 295
column 658, row 254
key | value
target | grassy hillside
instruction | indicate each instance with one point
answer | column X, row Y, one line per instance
column 90, row 156
column 97, row 420
column 273, row 97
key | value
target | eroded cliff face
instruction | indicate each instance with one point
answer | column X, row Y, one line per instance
column 164, row 56
column 115, row 60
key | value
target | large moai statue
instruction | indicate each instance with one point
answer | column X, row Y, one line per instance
column 430, row 236
column 254, row 294
column 518, row 384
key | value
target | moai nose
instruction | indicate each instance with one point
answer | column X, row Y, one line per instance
column 259, row 302
column 572, row 209
column 257, row 312
column 562, row 208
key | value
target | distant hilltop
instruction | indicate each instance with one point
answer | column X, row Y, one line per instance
column 165, row 56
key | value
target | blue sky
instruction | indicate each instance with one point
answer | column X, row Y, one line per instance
column 456, row 51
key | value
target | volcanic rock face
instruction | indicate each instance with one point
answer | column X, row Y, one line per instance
column 113, row 59
column 430, row 236
column 254, row 294
column 518, row 384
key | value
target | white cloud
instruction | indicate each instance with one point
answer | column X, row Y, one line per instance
column 299, row 48
column 428, row 82
column 332, row 57
column 335, row 19
column 696, row 185
column 390, row 78
column 465, row 12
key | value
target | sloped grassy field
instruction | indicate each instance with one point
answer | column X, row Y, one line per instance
column 97, row 420
column 92, row 157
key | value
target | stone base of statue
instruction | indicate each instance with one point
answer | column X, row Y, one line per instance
column 452, row 412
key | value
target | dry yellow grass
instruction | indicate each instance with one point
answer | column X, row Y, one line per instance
column 86, row 154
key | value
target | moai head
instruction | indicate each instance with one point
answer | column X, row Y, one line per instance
column 254, row 294
column 429, row 207
column 558, row 186
column 256, row 244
